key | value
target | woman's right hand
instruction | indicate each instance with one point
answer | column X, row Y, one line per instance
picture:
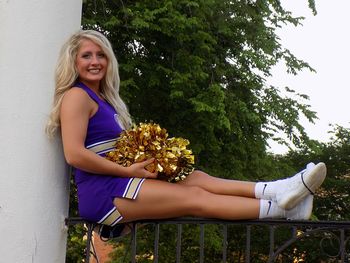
column 139, row 170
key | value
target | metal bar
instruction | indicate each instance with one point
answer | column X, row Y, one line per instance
column 201, row 244
column 248, row 244
column 294, row 231
column 156, row 243
column 224, row 244
column 90, row 228
column 272, row 243
column 342, row 245
column 311, row 227
column 193, row 220
column 275, row 222
column 133, row 242
column 178, row 243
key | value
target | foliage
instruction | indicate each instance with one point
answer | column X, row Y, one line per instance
column 75, row 241
column 333, row 198
column 76, row 244
column 198, row 68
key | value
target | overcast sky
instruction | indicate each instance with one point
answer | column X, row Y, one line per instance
column 324, row 42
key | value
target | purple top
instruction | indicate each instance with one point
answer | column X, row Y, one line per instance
column 103, row 126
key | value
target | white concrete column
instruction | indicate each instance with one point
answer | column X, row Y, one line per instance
column 33, row 174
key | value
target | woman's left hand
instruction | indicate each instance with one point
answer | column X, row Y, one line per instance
column 139, row 170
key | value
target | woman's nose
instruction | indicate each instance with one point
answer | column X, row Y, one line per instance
column 95, row 60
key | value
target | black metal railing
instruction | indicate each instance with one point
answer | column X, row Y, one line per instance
column 325, row 233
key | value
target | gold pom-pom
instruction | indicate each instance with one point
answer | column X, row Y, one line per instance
column 173, row 161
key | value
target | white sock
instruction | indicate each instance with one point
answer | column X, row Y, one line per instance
column 266, row 190
column 270, row 209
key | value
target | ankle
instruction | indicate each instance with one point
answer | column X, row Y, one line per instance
column 270, row 209
column 266, row 190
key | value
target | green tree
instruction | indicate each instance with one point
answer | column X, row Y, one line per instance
column 198, row 68
column 333, row 199
column 75, row 243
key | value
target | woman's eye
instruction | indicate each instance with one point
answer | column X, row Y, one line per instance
column 86, row 56
column 101, row 55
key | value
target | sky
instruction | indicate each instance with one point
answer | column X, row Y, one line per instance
column 323, row 41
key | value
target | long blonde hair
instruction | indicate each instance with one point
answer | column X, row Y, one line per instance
column 66, row 75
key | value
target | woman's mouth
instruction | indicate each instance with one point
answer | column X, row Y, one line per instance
column 94, row 71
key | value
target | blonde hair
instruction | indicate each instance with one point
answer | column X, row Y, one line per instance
column 66, row 75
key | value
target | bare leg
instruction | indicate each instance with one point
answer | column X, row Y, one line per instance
column 220, row 186
column 202, row 195
column 158, row 199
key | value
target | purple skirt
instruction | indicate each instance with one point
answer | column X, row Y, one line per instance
column 97, row 192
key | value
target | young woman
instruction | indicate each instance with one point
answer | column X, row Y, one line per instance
column 89, row 113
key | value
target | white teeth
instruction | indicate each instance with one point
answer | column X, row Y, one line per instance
column 94, row 71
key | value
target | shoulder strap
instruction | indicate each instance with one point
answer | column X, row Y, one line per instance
column 92, row 94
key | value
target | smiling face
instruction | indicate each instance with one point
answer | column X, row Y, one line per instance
column 91, row 63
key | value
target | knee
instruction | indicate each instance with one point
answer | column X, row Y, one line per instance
column 196, row 198
column 196, row 176
column 197, row 191
column 199, row 173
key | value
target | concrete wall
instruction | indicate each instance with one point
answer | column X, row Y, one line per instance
column 33, row 175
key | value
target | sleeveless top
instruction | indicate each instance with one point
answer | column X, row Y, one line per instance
column 103, row 127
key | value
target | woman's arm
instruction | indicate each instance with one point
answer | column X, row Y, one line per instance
column 76, row 110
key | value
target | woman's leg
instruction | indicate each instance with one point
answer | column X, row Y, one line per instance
column 220, row 186
column 287, row 192
column 158, row 199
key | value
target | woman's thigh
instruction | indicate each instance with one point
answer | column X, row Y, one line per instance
column 159, row 199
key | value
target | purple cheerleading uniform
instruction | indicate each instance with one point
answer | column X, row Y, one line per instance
column 96, row 192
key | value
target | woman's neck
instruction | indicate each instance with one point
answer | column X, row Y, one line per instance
column 95, row 86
